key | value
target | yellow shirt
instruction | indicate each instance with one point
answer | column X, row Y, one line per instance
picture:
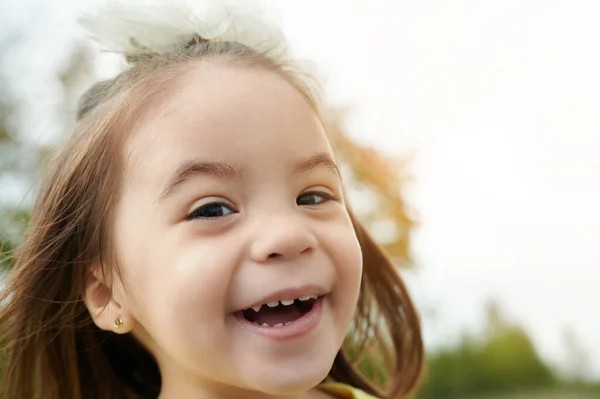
column 343, row 391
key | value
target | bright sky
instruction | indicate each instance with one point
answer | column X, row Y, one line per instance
column 497, row 101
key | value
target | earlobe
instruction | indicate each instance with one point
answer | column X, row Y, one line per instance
column 106, row 312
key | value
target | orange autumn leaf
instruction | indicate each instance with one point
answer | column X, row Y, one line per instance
column 384, row 179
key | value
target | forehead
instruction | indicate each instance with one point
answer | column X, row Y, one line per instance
column 240, row 114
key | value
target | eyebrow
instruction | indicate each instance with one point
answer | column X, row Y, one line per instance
column 320, row 160
column 220, row 170
column 224, row 170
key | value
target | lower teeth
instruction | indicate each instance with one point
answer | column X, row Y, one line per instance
column 276, row 325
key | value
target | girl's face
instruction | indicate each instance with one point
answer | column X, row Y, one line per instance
column 232, row 201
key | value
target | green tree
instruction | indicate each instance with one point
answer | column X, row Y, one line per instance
column 20, row 157
column 6, row 145
column 502, row 359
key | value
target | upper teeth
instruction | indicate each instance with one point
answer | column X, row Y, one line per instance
column 284, row 303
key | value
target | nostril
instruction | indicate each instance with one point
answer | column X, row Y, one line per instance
column 275, row 255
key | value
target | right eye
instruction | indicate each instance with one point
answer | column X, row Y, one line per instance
column 211, row 210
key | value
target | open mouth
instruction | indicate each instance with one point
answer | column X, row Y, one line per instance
column 280, row 313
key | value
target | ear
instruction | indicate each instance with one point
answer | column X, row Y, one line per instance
column 105, row 309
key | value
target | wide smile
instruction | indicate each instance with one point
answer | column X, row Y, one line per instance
column 283, row 319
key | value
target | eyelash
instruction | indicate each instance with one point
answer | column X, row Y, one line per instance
column 326, row 197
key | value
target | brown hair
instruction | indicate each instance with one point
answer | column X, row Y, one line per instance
column 50, row 346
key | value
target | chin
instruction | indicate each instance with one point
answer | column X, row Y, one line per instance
column 291, row 380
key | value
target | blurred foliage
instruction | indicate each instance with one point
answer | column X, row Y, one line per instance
column 500, row 360
column 6, row 245
column 21, row 159
column 383, row 179
column 12, row 226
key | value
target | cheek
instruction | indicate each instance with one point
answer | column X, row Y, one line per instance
column 182, row 286
column 346, row 252
column 352, row 264
column 351, row 252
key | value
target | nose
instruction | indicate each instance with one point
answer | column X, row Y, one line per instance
column 284, row 238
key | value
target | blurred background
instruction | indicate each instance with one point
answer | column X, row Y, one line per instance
column 470, row 133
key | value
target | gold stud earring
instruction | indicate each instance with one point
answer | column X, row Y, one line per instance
column 118, row 322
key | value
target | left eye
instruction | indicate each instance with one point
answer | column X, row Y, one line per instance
column 313, row 198
column 212, row 210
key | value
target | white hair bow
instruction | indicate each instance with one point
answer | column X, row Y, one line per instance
column 137, row 27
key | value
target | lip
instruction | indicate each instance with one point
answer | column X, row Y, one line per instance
column 289, row 294
column 296, row 329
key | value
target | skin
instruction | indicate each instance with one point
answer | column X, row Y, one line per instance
column 274, row 227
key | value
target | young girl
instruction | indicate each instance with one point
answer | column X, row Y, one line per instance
column 193, row 240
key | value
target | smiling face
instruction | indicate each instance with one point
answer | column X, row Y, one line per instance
column 232, row 201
